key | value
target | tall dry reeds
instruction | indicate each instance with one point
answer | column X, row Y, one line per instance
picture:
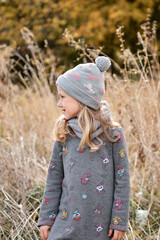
column 27, row 116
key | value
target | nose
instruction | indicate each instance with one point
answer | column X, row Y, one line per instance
column 59, row 104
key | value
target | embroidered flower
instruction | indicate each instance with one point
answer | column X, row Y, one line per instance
column 120, row 171
column 52, row 216
column 76, row 215
column 89, row 86
column 122, row 153
column 85, row 178
column 117, row 220
column 118, row 204
column 119, row 134
column 99, row 229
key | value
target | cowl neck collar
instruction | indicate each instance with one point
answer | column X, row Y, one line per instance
column 73, row 124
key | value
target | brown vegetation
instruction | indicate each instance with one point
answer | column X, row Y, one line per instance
column 27, row 117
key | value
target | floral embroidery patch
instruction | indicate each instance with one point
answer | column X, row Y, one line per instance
column 64, row 214
column 105, row 161
column 119, row 134
column 71, row 163
column 122, row 153
column 98, row 210
column 89, row 86
column 85, row 178
column 66, row 230
column 100, row 188
column 118, row 204
column 52, row 216
column 52, row 166
column 104, row 175
column 99, row 229
column 102, row 91
column 61, row 154
column 76, row 215
column 120, row 171
column 47, row 201
column 84, row 196
column 65, row 150
column 73, row 134
column 117, row 220
column 81, row 150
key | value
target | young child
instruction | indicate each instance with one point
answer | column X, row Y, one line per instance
column 87, row 187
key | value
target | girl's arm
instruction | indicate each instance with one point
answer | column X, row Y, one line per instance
column 53, row 188
column 120, row 209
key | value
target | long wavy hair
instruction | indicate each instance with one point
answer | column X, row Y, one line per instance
column 87, row 122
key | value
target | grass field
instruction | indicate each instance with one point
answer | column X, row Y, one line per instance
column 27, row 115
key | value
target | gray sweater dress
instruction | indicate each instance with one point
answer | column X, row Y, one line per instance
column 86, row 192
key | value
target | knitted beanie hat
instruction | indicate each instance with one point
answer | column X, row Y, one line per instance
column 85, row 82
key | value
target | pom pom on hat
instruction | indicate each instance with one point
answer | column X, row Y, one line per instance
column 103, row 63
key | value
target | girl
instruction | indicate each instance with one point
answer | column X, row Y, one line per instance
column 87, row 188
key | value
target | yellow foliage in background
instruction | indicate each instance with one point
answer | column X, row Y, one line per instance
column 95, row 21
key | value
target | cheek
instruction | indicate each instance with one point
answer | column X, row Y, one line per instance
column 63, row 102
column 77, row 107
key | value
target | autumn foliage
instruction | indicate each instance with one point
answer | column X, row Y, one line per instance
column 94, row 22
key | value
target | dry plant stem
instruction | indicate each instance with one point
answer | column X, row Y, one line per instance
column 76, row 44
column 140, row 123
column 28, row 219
column 32, row 44
column 25, row 138
column 25, row 220
column 37, row 85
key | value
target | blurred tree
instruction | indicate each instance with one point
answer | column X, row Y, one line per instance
column 95, row 21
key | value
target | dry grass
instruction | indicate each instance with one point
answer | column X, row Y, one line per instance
column 137, row 109
column 26, row 125
column 27, row 118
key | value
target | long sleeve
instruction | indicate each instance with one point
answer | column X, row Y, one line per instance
column 53, row 189
column 120, row 209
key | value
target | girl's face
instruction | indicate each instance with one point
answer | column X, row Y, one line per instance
column 69, row 105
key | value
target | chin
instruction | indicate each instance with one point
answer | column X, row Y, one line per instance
column 65, row 117
column 68, row 117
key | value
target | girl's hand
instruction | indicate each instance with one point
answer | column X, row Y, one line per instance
column 116, row 234
column 44, row 230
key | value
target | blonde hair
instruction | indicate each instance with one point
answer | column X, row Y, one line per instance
column 87, row 121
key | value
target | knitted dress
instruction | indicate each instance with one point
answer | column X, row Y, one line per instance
column 86, row 192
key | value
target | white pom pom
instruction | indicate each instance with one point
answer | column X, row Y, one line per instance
column 103, row 63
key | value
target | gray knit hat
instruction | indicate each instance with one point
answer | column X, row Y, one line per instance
column 85, row 82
